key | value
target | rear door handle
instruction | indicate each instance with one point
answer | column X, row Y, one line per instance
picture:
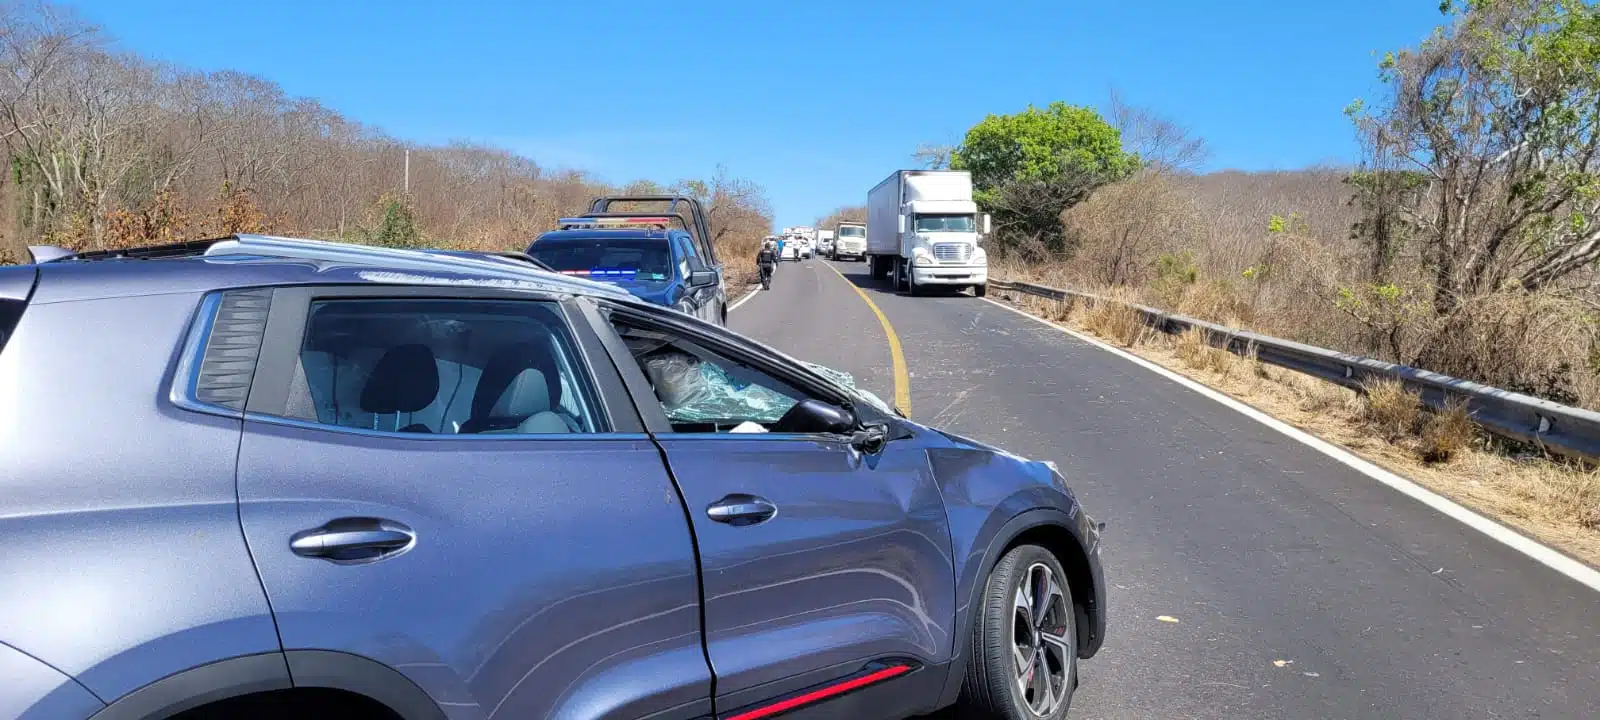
column 353, row 540
column 740, row 509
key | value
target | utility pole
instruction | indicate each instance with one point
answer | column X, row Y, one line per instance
column 408, row 171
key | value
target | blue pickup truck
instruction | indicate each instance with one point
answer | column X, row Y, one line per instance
column 643, row 254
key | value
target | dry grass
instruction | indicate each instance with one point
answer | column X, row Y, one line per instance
column 1446, row 433
column 1393, row 411
column 1556, row 503
column 1115, row 321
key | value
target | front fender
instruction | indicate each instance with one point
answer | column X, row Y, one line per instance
column 992, row 499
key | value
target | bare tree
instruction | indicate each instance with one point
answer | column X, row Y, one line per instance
column 112, row 149
column 1163, row 146
column 931, row 156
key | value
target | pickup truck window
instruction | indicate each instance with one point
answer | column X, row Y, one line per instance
column 945, row 223
column 644, row 259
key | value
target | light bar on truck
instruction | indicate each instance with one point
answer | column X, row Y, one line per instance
column 649, row 221
column 601, row 272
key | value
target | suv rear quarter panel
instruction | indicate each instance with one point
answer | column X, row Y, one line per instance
column 124, row 561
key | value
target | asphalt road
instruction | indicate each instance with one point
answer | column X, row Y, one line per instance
column 1262, row 548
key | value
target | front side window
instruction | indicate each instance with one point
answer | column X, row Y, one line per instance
column 945, row 223
column 687, row 259
column 442, row 367
column 703, row 391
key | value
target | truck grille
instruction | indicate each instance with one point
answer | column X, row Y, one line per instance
column 951, row 252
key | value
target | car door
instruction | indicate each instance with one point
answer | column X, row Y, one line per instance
column 825, row 566
column 449, row 484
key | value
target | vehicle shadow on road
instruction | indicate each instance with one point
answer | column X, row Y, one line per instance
column 858, row 275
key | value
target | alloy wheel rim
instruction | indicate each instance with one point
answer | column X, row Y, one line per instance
column 1040, row 646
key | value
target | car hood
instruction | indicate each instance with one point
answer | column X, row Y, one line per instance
column 658, row 292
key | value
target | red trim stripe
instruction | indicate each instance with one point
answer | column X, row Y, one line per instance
column 816, row 696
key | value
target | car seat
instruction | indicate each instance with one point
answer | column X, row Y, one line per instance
column 405, row 380
column 519, row 387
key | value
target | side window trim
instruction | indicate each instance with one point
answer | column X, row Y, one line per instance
column 280, row 351
column 219, row 359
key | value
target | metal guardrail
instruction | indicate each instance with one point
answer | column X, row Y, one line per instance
column 1556, row 428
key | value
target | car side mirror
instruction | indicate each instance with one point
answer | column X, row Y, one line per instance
column 815, row 416
column 702, row 278
column 902, row 223
column 870, row 439
column 986, row 223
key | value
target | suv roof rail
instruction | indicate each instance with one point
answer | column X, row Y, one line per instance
column 517, row 256
column 493, row 265
column 500, row 266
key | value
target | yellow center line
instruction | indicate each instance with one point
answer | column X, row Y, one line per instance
column 902, row 378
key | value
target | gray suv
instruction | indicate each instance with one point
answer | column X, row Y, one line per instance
column 263, row 477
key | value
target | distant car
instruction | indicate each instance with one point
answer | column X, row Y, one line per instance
column 825, row 247
column 791, row 251
column 315, row 480
column 641, row 255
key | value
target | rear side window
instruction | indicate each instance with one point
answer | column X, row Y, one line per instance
column 451, row 367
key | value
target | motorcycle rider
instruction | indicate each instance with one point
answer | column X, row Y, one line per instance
column 767, row 260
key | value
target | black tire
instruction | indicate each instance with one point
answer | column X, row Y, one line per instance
column 992, row 687
column 980, row 290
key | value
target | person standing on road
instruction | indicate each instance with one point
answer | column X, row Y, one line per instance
column 767, row 260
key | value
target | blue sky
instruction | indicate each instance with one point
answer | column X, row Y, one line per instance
column 815, row 100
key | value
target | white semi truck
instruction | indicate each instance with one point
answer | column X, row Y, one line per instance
column 922, row 232
column 850, row 241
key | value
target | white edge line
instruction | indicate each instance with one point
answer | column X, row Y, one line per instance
column 1516, row 541
column 753, row 290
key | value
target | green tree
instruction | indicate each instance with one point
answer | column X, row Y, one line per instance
column 1029, row 167
column 393, row 223
column 1486, row 152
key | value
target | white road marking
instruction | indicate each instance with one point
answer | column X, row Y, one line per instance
column 1549, row 557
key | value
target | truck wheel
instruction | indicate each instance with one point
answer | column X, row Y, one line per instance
column 911, row 283
column 980, row 290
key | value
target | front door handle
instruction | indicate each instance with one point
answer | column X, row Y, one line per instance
column 740, row 509
column 353, row 540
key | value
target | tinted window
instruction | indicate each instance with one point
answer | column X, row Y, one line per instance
column 442, row 367
column 607, row 258
column 688, row 259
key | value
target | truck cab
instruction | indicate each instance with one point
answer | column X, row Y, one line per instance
column 924, row 232
column 643, row 255
column 850, row 241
